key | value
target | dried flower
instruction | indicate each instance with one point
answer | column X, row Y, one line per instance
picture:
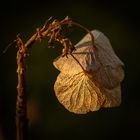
column 94, row 85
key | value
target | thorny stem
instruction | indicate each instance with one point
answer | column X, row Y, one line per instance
column 53, row 31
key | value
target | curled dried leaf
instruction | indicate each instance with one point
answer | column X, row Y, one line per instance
column 82, row 92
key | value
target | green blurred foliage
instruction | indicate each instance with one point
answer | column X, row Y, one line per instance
column 119, row 20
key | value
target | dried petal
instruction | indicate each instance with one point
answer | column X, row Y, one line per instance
column 108, row 77
column 90, row 58
column 112, row 96
column 80, row 92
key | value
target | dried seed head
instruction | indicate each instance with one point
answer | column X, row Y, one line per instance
column 80, row 92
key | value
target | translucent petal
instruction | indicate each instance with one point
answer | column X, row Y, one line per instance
column 80, row 95
column 108, row 77
column 90, row 58
column 82, row 92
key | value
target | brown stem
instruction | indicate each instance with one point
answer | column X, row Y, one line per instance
column 21, row 109
column 92, row 39
column 90, row 33
column 77, row 62
column 21, row 104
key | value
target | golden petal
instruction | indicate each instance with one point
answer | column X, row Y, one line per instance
column 80, row 92
column 80, row 95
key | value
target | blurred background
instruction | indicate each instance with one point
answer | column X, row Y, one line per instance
column 49, row 120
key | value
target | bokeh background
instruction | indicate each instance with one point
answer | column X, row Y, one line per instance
column 49, row 120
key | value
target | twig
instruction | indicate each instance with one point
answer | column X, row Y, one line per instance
column 53, row 31
column 92, row 37
column 21, row 102
column 8, row 46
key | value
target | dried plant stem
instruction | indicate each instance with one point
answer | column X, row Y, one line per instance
column 53, row 31
column 78, row 62
column 92, row 37
column 21, row 109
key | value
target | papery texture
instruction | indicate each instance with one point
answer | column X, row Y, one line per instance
column 82, row 92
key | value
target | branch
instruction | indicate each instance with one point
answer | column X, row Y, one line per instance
column 54, row 31
column 21, row 109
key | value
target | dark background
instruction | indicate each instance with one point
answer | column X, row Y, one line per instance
column 49, row 120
